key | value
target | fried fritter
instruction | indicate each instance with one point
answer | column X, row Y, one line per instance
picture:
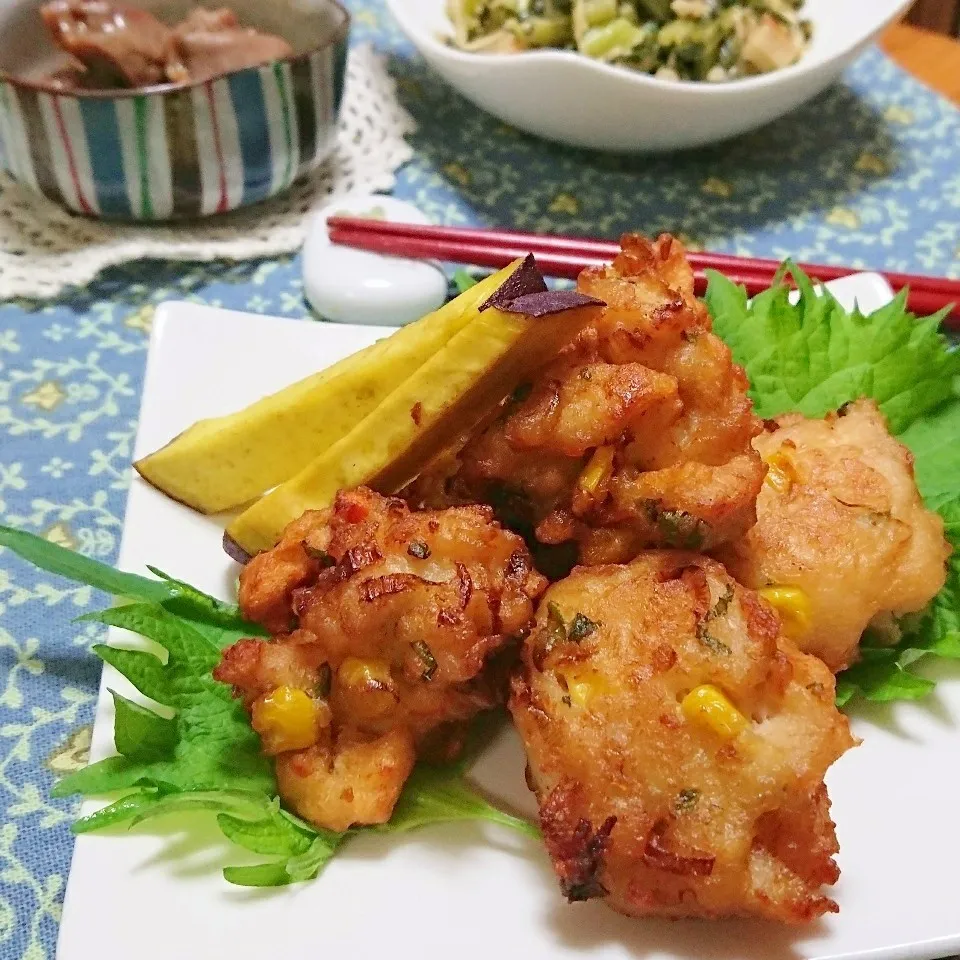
column 386, row 622
column 638, row 435
column 842, row 526
column 677, row 744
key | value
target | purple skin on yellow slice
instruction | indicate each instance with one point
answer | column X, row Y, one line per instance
column 526, row 292
column 528, row 279
column 547, row 302
column 234, row 551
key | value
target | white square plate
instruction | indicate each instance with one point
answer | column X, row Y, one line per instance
column 465, row 891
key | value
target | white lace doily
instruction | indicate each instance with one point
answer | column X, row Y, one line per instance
column 44, row 249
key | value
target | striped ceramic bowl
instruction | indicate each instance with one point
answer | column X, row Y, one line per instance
column 174, row 152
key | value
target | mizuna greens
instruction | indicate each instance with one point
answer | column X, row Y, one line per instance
column 713, row 40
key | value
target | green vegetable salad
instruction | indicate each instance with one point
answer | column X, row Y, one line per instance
column 713, row 40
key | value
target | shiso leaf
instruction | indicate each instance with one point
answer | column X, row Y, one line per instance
column 298, row 867
column 814, row 356
column 141, row 734
column 270, row 837
column 144, row 670
column 462, row 280
column 273, row 874
column 80, row 569
column 442, row 795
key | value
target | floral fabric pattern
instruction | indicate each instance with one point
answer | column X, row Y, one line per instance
column 868, row 175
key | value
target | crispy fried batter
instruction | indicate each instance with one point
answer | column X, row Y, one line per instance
column 589, row 407
column 656, row 393
column 650, row 807
column 393, row 616
column 841, row 518
column 358, row 781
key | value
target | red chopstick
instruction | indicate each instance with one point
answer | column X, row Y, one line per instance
column 563, row 256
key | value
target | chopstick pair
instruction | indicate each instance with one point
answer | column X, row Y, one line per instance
column 561, row 256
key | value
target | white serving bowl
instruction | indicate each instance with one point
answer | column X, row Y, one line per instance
column 572, row 99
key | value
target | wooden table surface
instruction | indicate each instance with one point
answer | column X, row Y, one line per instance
column 930, row 57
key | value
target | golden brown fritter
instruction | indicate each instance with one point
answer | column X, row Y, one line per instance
column 385, row 622
column 841, row 519
column 638, row 435
column 678, row 744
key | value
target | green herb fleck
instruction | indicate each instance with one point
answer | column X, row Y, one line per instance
column 677, row 527
column 553, row 634
column 556, row 626
column 681, row 529
column 426, row 658
column 686, row 800
column 722, row 604
column 581, row 627
column 419, row 549
column 324, row 681
column 317, row 554
column 703, row 627
column 711, row 642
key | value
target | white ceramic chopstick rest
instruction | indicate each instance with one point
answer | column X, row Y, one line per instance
column 353, row 286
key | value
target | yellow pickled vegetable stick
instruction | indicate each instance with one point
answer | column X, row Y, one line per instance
column 454, row 389
column 224, row 462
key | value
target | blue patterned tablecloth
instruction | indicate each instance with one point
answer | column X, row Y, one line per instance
column 867, row 175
